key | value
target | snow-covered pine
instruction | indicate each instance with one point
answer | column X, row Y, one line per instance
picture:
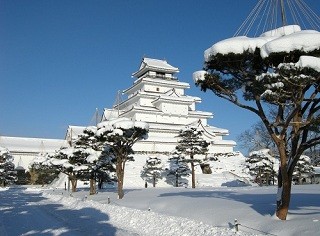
column 260, row 166
column 7, row 173
column 192, row 146
column 177, row 171
column 303, row 171
column 118, row 136
column 275, row 76
column 90, row 150
column 152, row 170
column 41, row 170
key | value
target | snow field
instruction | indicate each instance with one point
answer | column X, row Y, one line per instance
column 201, row 211
column 143, row 222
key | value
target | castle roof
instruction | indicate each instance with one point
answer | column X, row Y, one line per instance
column 149, row 64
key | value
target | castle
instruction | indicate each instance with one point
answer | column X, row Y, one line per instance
column 156, row 97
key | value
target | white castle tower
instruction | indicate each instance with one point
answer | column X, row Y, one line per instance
column 158, row 98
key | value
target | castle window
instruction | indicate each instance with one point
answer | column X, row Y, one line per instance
column 157, row 89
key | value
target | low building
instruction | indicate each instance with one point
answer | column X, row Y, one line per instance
column 24, row 149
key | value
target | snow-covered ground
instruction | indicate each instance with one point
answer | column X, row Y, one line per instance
column 157, row 211
column 210, row 209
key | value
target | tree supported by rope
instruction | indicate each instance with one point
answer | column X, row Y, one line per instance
column 272, row 14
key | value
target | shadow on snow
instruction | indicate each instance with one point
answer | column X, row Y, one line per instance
column 263, row 203
column 24, row 213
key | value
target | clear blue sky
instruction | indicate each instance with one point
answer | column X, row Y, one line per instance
column 60, row 60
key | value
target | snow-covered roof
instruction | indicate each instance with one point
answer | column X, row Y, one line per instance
column 224, row 142
column 31, row 145
column 283, row 39
column 217, row 130
column 73, row 131
column 174, row 99
column 156, row 82
column 149, row 64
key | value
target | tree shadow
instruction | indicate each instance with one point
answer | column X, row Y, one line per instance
column 262, row 203
column 25, row 213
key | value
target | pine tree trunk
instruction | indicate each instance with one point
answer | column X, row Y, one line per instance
column 92, row 183
column 92, row 186
column 154, row 180
column 74, row 185
column 120, row 176
column 73, row 181
column 284, row 187
column 177, row 179
column 193, row 177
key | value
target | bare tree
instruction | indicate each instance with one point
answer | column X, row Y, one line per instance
column 256, row 138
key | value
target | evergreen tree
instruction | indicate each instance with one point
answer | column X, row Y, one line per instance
column 105, row 168
column 260, row 165
column 178, row 169
column 190, row 144
column 118, row 136
column 303, row 170
column 88, row 148
column 41, row 171
column 280, row 86
column 152, row 170
column 7, row 173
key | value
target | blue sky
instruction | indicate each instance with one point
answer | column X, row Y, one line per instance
column 60, row 60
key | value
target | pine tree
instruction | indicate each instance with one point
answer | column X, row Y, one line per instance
column 190, row 144
column 7, row 173
column 118, row 136
column 88, row 148
column 152, row 170
column 41, row 171
column 178, row 169
column 261, row 166
column 280, row 86
column 303, row 170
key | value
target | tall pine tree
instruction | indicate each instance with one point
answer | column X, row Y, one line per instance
column 178, row 169
column 191, row 145
column 152, row 170
column 7, row 173
column 118, row 136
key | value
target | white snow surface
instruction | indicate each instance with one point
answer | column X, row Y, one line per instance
column 306, row 40
column 199, row 75
column 283, row 39
column 119, row 124
column 210, row 209
column 310, row 62
column 157, row 211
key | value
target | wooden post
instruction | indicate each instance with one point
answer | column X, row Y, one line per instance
column 236, row 225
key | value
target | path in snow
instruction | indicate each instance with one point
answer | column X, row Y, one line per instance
column 28, row 213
